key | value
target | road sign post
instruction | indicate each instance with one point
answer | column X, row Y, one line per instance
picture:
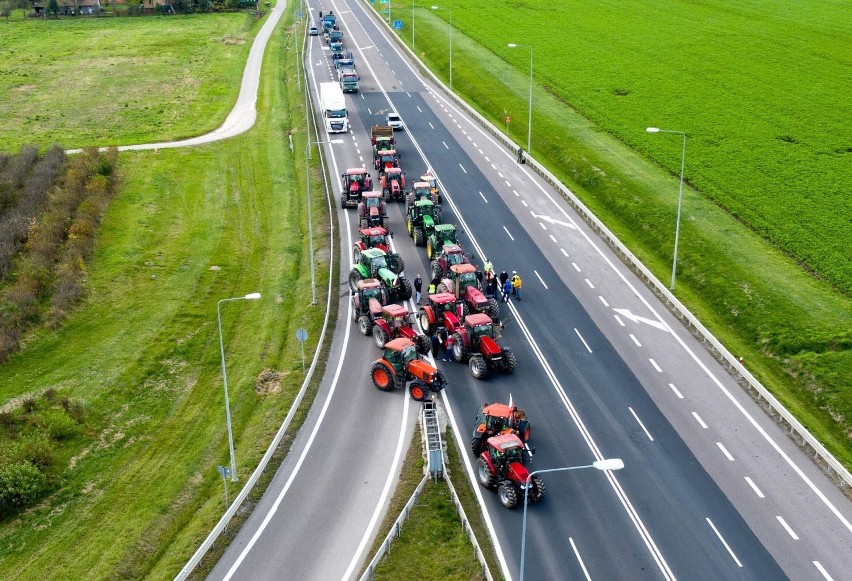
column 302, row 336
column 225, row 472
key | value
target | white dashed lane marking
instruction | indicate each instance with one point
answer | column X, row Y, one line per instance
column 754, row 487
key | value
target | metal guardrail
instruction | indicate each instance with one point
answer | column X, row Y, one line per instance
column 797, row 432
column 477, row 550
column 395, row 532
column 243, row 494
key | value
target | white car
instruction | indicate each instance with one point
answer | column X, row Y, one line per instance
column 394, row 121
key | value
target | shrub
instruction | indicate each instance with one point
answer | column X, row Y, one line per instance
column 56, row 423
column 21, row 484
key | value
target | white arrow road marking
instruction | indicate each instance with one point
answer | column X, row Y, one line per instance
column 553, row 221
column 638, row 319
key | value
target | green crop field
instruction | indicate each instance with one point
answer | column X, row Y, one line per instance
column 764, row 256
column 116, row 81
column 188, row 227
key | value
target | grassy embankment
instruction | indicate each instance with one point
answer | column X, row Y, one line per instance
column 188, row 228
column 116, row 81
column 765, row 237
column 433, row 545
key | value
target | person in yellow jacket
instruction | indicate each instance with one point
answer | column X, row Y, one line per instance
column 517, row 283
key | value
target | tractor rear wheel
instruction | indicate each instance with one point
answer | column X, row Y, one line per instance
column 385, row 222
column 484, row 475
column 459, row 350
column 437, row 270
column 410, row 225
column 465, row 309
column 343, row 200
column 478, row 367
column 538, row 489
column 365, row 324
column 508, row 494
column 425, row 324
column 510, row 361
column 524, row 431
column 492, row 309
column 477, row 445
column 395, row 263
column 409, row 201
column 423, row 343
column 418, row 237
column 405, row 290
column 383, row 377
column 380, row 337
column 354, row 277
column 363, row 222
column 418, row 391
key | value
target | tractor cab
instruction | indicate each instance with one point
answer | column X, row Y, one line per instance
column 421, row 191
column 374, row 237
column 387, row 159
column 464, row 275
column 395, row 316
column 479, row 325
column 400, row 352
column 374, row 259
column 382, row 144
column 370, row 288
column 393, row 183
column 454, row 254
column 444, row 234
column 372, row 200
column 505, row 450
column 423, row 208
column 356, row 179
column 433, row 183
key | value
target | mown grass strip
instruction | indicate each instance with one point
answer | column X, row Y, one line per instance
column 189, row 227
column 115, row 81
column 791, row 328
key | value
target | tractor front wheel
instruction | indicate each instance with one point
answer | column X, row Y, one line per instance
column 510, row 361
column 423, row 343
column 477, row 445
column 363, row 222
column 418, row 391
column 425, row 324
column 405, row 290
column 365, row 325
column 410, row 225
column 382, row 376
column 354, row 277
column 395, row 263
column 385, row 222
column 478, row 367
column 459, row 350
column 343, row 200
column 508, row 494
column 484, row 475
column 380, row 337
column 492, row 309
column 524, row 431
column 538, row 489
column 437, row 271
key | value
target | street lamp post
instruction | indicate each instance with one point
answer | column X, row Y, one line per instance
column 679, row 195
column 529, row 122
column 610, row 464
column 250, row 297
column 308, row 145
column 451, row 41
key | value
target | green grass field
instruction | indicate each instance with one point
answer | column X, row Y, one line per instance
column 791, row 326
column 116, row 81
column 188, row 228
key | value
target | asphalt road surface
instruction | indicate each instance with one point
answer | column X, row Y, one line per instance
column 711, row 489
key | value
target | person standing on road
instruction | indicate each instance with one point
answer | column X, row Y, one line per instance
column 418, row 288
column 507, row 290
column 491, row 288
column 433, row 286
column 448, row 347
column 503, row 278
column 436, row 346
column 488, row 268
column 517, row 283
column 442, row 339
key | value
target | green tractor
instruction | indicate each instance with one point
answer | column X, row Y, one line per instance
column 420, row 191
column 441, row 234
column 374, row 263
column 423, row 216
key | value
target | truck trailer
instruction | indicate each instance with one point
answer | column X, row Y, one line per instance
column 333, row 107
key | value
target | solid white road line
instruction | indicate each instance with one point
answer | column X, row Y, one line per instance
column 730, row 552
column 641, row 425
column 579, row 559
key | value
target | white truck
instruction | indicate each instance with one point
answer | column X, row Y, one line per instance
column 333, row 107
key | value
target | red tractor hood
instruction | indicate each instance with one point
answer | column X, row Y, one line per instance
column 408, row 333
column 518, row 474
column 354, row 187
column 475, row 296
column 489, row 347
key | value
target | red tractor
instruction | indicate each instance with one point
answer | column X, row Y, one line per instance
column 394, row 322
column 368, row 298
column 377, row 238
column 441, row 311
column 402, row 366
column 475, row 345
column 356, row 181
column 496, row 419
column 386, row 159
column 393, row 184
column 372, row 211
column 449, row 255
column 461, row 280
column 501, row 466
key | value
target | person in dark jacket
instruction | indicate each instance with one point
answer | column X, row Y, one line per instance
column 504, row 276
column 418, row 288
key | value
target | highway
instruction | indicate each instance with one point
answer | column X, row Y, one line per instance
column 711, row 487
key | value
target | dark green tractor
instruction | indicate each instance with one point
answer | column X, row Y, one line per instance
column 441, row 234
column 374, row 263
column 423, row 216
